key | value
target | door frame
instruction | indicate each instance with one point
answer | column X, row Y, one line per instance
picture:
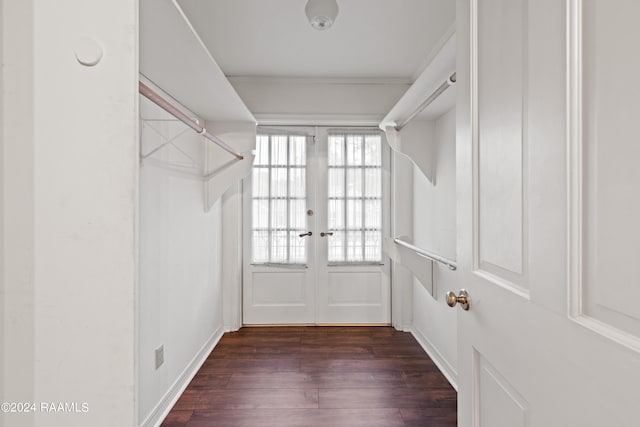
column 236, row 311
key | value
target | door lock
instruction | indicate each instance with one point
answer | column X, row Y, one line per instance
column 462, row 299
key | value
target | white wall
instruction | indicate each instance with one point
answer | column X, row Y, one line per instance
column 180, row 297
column 311, row 101
column 434, row 229
column 402, row 225
column 232, row 238
column 70, row 180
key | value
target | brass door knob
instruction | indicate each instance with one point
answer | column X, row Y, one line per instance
column 462, row 299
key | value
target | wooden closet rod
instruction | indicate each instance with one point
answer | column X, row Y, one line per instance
column 169, row 108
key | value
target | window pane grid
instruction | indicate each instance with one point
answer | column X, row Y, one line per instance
column 279, row 199
column 355, row 198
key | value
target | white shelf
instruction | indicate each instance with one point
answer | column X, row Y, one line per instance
column 173, row 57
column 175, row 62
column 414, row 140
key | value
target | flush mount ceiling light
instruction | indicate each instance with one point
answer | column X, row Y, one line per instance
column 321, row 13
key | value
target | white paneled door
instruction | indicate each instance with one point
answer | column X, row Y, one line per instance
column 549, row 208
column 316, row 213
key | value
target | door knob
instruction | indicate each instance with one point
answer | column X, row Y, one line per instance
column 306, row 234
column 328, row 233
column 462, row 299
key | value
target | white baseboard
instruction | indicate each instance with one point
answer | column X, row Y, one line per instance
column 172, row 395
column 445, row 367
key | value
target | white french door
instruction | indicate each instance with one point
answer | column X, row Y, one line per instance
column 549, row 237
column 315, row 216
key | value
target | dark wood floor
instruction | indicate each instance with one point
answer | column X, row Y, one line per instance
column 317, row 376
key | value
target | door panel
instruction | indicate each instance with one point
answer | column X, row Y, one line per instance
column 610, row 173
column 549, row 340
column 498, row 404
column 501, row 138
column 274, row 296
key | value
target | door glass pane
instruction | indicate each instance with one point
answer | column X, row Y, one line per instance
column 336, row 214
column 261, row 214
column 279, row 192
column 336, row 247
column 279, row 246
column 279, row 145
column 354, row 246
column 278, row 214
column 354, row 150
column 354, row 212
column 297, row 151
column 336, row 182
column 372, row 214
column 336, row 150
column 372, row 150
column 297, row 182
column 372, row 245
column 373, row 182
column 278, row 182
column 297, row 216
column 260, row 246
column 354, row 182
column 260, row 179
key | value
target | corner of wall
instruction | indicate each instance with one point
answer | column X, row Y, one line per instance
column 402, row 224
column 232, row 258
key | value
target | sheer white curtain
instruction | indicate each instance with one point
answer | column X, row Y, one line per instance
column 355, row 196
column 279, row 199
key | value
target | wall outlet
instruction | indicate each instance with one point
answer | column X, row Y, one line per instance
column 159, row 356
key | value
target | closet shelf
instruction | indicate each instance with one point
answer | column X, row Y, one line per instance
column 175, row 63
column 409, row 124
column 174, row 58
column 193, row 124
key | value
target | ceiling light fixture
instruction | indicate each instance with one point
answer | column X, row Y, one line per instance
column 321, row 13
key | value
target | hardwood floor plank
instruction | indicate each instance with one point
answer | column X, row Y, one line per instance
column 352, row 398
column 251, row 399
column 297, row 418
column 372, row 365
column 177, row 418
column 432, row 417
column 253, row 364
column 271, row 380
column 318, row 377
column 204, row 380
column 317, row 380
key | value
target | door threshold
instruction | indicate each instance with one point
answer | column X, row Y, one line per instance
column 273, row 325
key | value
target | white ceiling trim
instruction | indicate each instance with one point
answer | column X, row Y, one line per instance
column 318, row 120
column 321, row 80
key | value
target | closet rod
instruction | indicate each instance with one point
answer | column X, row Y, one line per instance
column 444, row 86
column 421, row 252
column 169, row 108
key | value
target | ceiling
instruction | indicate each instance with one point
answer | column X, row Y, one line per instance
column 370, row 38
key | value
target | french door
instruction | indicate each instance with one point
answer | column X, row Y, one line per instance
column 316, row 213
